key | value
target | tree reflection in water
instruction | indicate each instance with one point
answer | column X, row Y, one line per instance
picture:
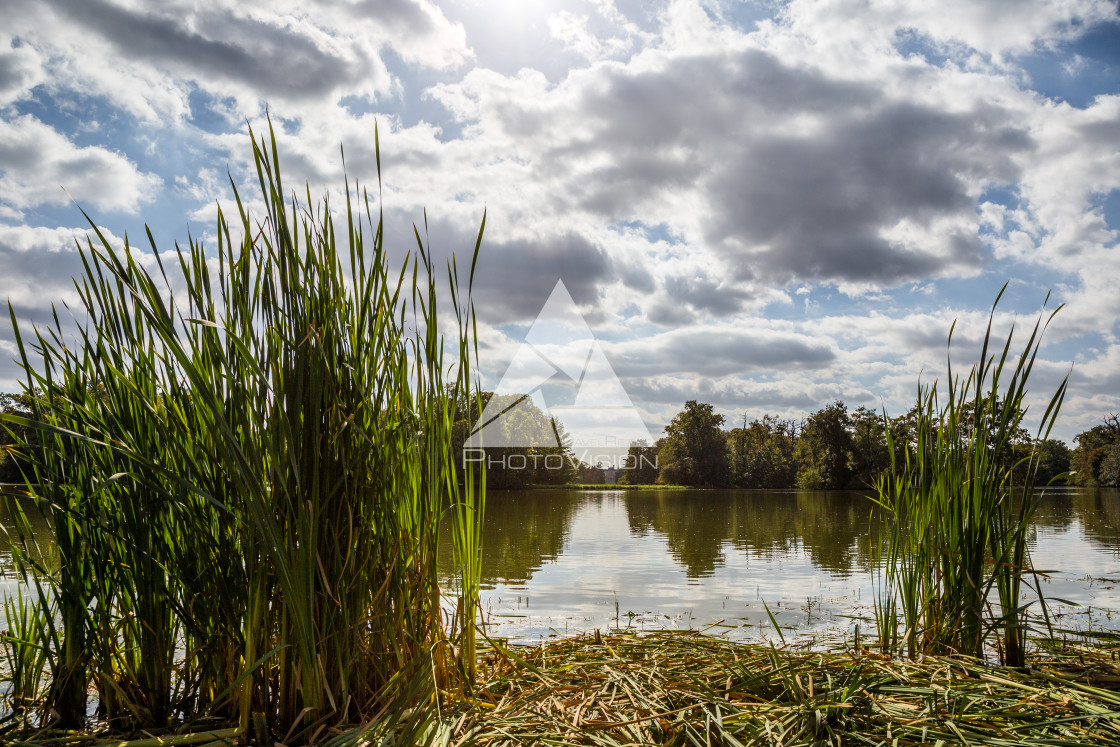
column 831, row 527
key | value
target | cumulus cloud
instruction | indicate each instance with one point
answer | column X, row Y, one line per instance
column 1078, row 161
column 20, row 69
column 40, row 265
column 835, row 207
column 777, row 171
column 716, row 351
column 992, row 27
column 513, row 277
column 735, row 397
column 677, row 172
column 149, row 59
column 37, row 163
column 276, row 56
column 418, row 30
column 577, row 32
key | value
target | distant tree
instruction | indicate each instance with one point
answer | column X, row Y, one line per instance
column 824, row 449
column 695, row 448
column 641, row 464
column 13, row 435
column 589, row 474
column 1109, row 475
column 1019, row 437
column 1053, row 460
column 869, row 448
column 1015, row 458
column 761, row 455
column 1094, row 447
column 904, row 429
column 556, row 471
column 521, row 421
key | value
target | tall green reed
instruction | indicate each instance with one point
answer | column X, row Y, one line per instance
column 243, row 458
column 960, row 501
column 24, row 656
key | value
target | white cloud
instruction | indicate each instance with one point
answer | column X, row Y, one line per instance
column 607, row 34
column 1078, row 158
column 418, row 30
column 149, row 59
column 37, row 163
column 40, row 263
column 679, row 176
column 20, row 69
column 720, row 350
column 571, row 31
column 778, row 169
column 773, row 170
column 991, row 27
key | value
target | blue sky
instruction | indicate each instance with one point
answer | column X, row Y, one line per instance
column 763, row 205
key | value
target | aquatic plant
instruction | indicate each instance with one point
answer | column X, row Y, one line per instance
column 960, row 501
column 243, row 458
column 24, row 657
column 683, row 688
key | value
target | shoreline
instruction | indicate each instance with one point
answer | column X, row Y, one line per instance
column 608, row 487
column 682, row 686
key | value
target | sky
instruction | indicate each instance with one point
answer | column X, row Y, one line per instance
column 767, row 206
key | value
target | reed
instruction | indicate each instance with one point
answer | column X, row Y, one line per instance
column 959, row 502
column 25, row 658
column 243, row 458
column 683, row 688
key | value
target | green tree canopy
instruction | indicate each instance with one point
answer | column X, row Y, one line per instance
column 695, row 449
column 641, row 464
column 824, row 450
column 11, row 435
column 1053, row 461
column 1096, row 460
column 761, row 454
column 521, row 421
column 869, row 448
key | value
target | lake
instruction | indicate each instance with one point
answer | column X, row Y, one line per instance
column 557, row 562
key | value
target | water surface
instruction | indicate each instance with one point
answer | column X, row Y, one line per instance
column 560, row 562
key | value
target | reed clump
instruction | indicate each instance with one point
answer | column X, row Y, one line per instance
column 959, row 498
column 243, row 457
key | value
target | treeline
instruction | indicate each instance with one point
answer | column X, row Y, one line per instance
column 835, row 448
column 516, row 420
column 1096, row 460
column 831, row 449
column 11, row 435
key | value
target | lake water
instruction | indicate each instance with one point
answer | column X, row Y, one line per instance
column 560, row 562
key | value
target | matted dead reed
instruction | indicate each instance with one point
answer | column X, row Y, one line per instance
column 684, row 688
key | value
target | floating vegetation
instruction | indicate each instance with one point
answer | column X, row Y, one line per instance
column 688, row 688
